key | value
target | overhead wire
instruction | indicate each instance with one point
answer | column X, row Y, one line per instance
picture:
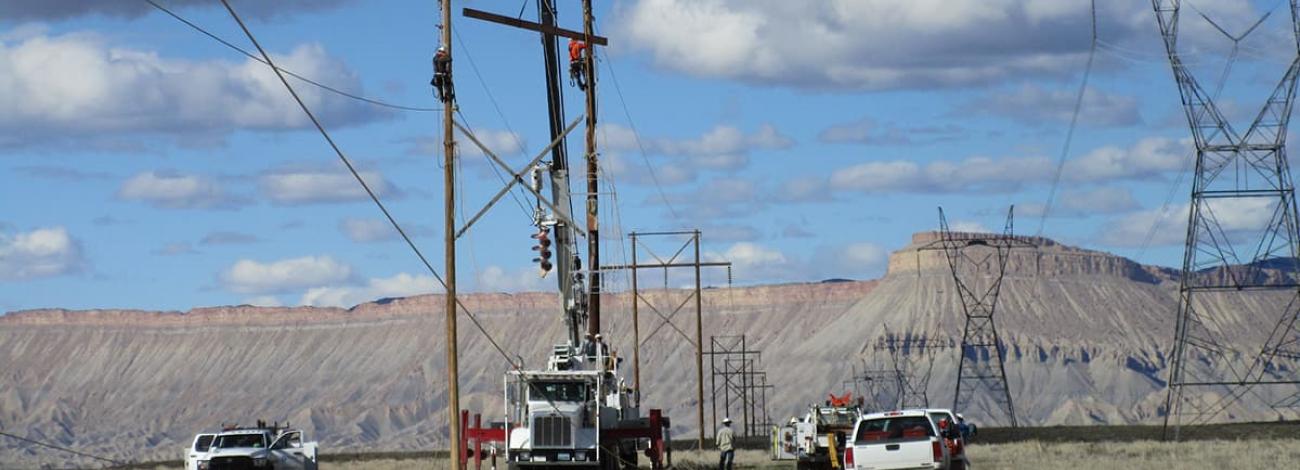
column 61, row 448
column 356, row 175
column 289, row 72
column 1074, row 121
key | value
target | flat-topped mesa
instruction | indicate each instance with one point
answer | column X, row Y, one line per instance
column 1032, row 256
column 527, row 303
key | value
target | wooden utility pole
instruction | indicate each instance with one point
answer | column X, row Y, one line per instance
column 636, row 330
column 699, row 342
column 449, row 195
column 593, row 184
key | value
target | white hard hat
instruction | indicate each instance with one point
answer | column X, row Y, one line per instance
column 726, row 420
column 442, row 48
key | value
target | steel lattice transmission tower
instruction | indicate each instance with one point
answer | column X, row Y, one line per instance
column 1246, row 273
column 980, row 362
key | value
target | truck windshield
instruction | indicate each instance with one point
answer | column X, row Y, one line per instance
column 559, row 391
column 894, row 429
column 239, row 440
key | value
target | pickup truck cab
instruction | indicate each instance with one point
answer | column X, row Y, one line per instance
column 258, row 449
column 896, row 440
column 952, row 436
column 198, row 450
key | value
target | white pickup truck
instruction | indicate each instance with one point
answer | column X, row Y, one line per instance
column 258, row 448
column 896, row 440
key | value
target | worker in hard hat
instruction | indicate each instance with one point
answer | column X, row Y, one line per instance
column 577, row 64
column 727, row 451
column 442, row 75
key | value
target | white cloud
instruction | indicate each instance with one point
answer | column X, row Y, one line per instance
column 857, row 260
column 968, row 227
column 1034, row 105
column 749, row 256
column 365, row 230
column 399, row 285
column 313, row 186
column 872, row 44
column 254, row 277
column 44, row 252
column 866, row 131
column 498, row 279
column 504, row 144
column 176, row 191
column 66, row 9
column 1241, row 219
column 723, row 148
column 1147, row 158
column 971, row 174
column 67, row 88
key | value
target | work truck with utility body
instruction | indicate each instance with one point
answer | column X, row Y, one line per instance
column 896, row 440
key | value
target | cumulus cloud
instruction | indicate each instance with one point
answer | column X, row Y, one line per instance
column 399, row 285
column 1034, row 105
column 254, row 277
column 40, row 253
column 314, row 186
column 67, row 9
column 168, row 190
column 870, row 44
column 1148, row 158
column 74, row 87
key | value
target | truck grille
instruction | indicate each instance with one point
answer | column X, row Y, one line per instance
column 552, row 431
column 231, row 463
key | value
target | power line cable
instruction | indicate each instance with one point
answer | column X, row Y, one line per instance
column 289, row 72
column 1074, row 121
column 348, row 163
column 61, row 449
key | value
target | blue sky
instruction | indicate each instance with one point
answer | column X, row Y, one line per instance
column 144, row 165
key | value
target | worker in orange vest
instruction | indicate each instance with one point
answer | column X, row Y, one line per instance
column 577, row 64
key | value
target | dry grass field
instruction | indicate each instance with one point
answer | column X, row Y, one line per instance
column 1274, row 453
column 1141, row 455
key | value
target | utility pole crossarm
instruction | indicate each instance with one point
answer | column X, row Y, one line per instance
column 531, row 26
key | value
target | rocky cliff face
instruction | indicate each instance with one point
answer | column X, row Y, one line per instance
column 1086, row 335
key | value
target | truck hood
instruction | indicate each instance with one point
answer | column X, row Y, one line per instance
column 239, row 451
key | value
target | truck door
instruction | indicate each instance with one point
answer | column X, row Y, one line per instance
column 198, row 450
column 288, row 453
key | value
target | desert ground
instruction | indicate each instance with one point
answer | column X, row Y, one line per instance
column 1140, row 455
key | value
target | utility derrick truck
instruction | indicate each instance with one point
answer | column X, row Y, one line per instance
column 577, row 411
column 820, row 436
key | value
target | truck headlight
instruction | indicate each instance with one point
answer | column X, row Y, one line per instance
column 203, row 465
column 259, row 462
